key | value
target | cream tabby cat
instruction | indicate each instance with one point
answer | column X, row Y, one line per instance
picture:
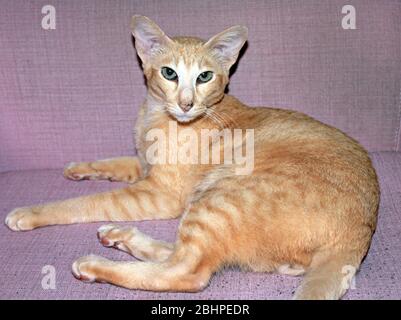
column 309, row 206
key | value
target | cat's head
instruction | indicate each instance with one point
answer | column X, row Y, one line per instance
column 186, row 74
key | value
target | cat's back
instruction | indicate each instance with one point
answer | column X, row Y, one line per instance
column 275, row 124
column 295, row 145
column 283, row 127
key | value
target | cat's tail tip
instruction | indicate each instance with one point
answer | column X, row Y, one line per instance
column 328, row 279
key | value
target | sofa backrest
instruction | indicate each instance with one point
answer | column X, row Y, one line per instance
column 72, row 93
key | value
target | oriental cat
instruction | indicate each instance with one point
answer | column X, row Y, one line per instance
column 307, row 206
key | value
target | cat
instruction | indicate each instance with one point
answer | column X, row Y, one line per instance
column 309, row 206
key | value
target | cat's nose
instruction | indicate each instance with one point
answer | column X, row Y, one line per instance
column 186, row 106
column 186, row 99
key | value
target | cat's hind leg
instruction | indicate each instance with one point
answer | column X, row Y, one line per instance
column 201, row 249
column 291, row 270
column 165, row 276
column 124, row 169
column 186, row 269
column 134, row 242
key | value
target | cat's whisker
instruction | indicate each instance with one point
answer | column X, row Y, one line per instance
column 215, row 120
column 213, row 114
column 225, row 117
column 223, row 121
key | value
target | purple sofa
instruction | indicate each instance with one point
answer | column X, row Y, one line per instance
column 72, row 94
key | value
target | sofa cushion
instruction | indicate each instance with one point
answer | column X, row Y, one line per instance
column 24, row 254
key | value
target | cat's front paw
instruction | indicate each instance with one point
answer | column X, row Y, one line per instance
column 87, row 171
column 20, row 219
column 74, row 171
column 86, row 268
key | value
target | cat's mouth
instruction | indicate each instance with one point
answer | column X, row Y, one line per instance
column 185, row 117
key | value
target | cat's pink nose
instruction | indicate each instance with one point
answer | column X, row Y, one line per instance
column 186, row 99
column 186, row 106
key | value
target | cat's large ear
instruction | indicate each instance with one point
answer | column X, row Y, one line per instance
column 226, row 45
column 150, row 40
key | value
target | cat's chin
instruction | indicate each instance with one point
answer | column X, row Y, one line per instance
column 184, row 118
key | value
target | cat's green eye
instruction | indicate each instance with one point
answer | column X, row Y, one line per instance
column 205, row 77
column 169, row 74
